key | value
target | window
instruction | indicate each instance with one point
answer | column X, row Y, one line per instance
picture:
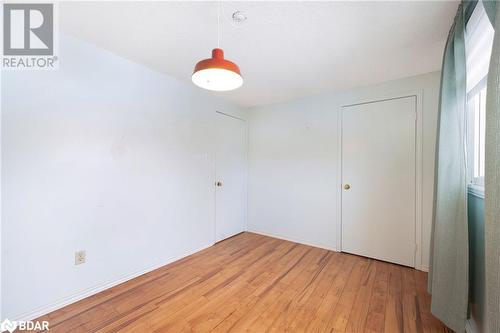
column 479, row 41
column 476, row 104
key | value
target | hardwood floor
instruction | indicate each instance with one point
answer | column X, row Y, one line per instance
column 256, row 283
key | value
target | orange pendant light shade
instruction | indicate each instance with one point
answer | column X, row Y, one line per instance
column 217, row 73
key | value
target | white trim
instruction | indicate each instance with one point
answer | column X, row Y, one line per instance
column 419, row 180
column 471, row 326
column 418, row 94
column 471, row 131
column 469, row 140
column 247, row 166
column 339, row 181
column 214, row 179
column 476, row 190
column 293, row 239
column 2, row 251
column 31, row 315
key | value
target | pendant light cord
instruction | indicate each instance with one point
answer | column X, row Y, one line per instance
column 218, row 23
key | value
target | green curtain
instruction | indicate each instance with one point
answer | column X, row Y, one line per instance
column 449, row 266
column 490, row 8
column 492, row 178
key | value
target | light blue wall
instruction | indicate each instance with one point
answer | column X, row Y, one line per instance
column 110, row 157
column 476, row 259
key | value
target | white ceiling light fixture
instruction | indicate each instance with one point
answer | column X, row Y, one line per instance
column 217, row 73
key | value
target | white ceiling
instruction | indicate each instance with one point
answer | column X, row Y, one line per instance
column 285, row 50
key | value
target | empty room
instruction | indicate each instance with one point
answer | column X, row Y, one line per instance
column 250, row 166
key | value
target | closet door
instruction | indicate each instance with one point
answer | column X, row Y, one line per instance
column 231, row 171
column 378, row 180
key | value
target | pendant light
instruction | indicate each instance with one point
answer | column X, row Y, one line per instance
column 217, row 73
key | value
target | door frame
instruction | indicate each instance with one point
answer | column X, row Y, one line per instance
column 418, row 94
column 214, row 174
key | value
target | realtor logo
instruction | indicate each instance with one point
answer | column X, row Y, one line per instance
column 28, row 29
column 28, row 36
column 8, row 325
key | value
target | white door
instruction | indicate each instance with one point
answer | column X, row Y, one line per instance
column 378, row 180
column 230, row 178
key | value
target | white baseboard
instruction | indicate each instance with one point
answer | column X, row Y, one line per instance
column 98, row 288
column 295, row 240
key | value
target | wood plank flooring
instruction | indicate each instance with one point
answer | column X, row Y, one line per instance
column 253, row 283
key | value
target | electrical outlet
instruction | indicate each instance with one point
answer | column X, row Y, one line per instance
column 80, row 257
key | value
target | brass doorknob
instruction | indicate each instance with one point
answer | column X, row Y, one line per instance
column 347, row 186
column 218, row 184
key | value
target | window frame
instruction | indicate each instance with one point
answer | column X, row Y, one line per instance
column 471, row 133
column 475, row 184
